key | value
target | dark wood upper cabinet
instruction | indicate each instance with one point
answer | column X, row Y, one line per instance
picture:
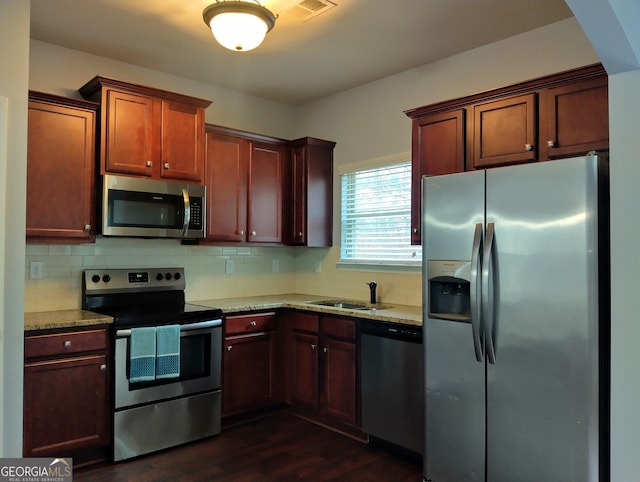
column 557, row 116
column 310, row 181
column 577, row 118
column 438, row 147
column 61, row 166
column 149, row 132
column 244, row 179
column 504, row 131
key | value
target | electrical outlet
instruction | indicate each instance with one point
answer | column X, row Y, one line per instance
column 275, row 265
column 318, row 266
column 228, row 266
column 35, row 270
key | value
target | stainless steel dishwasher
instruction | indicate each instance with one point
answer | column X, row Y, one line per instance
column 392, row 369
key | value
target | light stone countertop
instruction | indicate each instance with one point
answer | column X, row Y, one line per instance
column 390, row 312
column 51, row 320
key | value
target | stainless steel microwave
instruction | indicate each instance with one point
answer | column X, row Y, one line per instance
column 152, row 209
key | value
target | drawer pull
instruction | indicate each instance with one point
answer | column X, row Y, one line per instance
column 103, row 367
column 313, row 347
column 229, row 347
column 325, row 350
column 253, row 323
column 67, row 344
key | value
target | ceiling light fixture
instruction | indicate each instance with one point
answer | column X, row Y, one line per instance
column 239, row 25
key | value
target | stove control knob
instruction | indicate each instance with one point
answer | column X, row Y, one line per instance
column 168, row 276
column 95, row 278
column 159, row 277
column 106, row 278
column 177, row 276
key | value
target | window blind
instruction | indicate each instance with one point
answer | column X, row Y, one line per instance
column 376, row 216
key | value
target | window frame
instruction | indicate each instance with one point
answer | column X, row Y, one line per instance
column 372, row 264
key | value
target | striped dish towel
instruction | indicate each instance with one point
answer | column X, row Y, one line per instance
column 168, row 355
column 142, row 355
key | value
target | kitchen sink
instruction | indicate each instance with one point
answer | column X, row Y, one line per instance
column 349, row 305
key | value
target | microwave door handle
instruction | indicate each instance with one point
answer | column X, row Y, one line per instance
column 187, row 212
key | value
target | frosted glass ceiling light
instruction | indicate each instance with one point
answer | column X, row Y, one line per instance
column 239, row 25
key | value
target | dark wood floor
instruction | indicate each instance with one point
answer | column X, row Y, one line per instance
column 278, row 447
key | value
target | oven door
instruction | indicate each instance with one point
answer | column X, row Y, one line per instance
column 200, row 366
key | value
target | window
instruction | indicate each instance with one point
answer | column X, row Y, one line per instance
column 376, row 216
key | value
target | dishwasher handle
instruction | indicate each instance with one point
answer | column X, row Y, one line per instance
column 394, row 331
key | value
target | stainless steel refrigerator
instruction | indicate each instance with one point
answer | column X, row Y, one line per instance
column 516, row 323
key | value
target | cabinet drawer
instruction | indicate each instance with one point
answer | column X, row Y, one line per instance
column 305, row 322
column 250, row 323
column 65, row 343
column 339, row 327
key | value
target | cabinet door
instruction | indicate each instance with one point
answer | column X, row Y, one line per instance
column 226, row 180
column 265, row 193
column 130, row 134
column 248, row 380
column 304, row 389
column 438, row 148
column 65, row 405
column 578, row 118
column 182, row 142
column 505, row 131
column 298, row 232
column 311, row 193
column 339, row 389
column 60, row 172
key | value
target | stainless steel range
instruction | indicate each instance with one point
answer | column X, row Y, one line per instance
column 167, row 358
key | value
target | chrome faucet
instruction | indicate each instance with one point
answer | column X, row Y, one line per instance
column 372, row 288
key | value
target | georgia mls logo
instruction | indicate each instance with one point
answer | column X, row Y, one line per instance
column 36, row 470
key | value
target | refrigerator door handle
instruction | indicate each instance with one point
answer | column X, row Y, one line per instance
column 475, row 293
column 488, row 295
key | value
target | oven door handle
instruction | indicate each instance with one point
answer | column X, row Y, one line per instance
column 188, row 327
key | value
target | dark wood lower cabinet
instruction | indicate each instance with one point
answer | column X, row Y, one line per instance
column 250, row 369
column 324, row 369
column 249, row 366
column 66, row 395
column 304, row 364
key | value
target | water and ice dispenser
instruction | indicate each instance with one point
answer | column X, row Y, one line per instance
column 449, row 289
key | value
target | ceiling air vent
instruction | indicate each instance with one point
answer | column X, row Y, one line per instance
column 304, row 10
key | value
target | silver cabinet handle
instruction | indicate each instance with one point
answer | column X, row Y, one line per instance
column 253, row 323
column 313, row 347
column 528, row 147
column 103, row 367
column 67, row 344
column 87, row 227
column 241, row 232
column 299, row 234
column 229, row 347
column 149, row 163
column 415, row 230
column 475, row 292
column 166, row 165
column 253, row 233
column 551, row 144
column 325, row 350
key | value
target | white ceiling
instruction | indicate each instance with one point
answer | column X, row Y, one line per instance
column 356, row 42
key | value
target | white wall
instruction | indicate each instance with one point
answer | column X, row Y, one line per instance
column 624, row 105
column 14, row 37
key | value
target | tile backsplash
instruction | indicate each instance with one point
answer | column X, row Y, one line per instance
column 256, row 271
column 205, row 269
